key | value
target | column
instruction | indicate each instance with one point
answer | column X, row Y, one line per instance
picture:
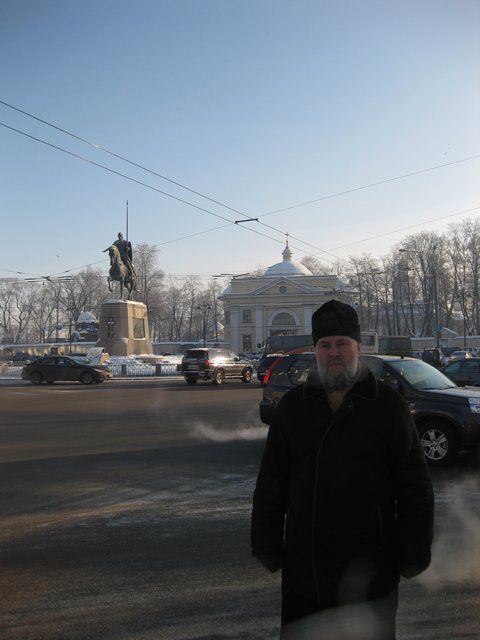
column 259, row 328
column 307, row 318
column 234, row 329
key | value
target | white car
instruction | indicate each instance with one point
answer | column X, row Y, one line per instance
column 459, row 355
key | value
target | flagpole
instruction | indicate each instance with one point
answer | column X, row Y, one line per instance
column 127, row 219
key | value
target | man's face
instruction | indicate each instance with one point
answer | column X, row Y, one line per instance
column 337, row 361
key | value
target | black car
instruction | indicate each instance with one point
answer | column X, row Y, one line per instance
column 447, row 416
column 464, row 372
column 435, row 357
column 215, row 365
column 264, row 363
column 54, row 368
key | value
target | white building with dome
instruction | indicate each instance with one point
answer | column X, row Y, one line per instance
column 281, row 301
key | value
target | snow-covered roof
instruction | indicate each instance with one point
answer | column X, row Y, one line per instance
column 287, row 267
column 220, row 327
column 86, row 316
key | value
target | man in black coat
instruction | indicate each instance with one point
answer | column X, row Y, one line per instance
column 344, row 501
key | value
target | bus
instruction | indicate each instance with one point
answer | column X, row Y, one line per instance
column 395, row 345
column 287, row 343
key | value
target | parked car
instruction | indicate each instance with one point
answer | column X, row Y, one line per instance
column 264, row 363
column 55, row 368
column 447, row 416
column 447, row 351
column 464, row 372
column 459, row 355
column 215, row 365
column 434, row 357
column 21, row 356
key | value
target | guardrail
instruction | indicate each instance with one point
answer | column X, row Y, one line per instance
column 118, row 370
column 143, row 370
column 10, row 371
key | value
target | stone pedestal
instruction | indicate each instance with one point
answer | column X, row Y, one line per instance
column 123, row 328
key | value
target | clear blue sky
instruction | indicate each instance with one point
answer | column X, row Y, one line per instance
column 258, row 104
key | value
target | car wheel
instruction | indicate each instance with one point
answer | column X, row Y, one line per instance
column 247, row 375
column 86, row 378
column 218, row 377
column 191, row 380
column 99, row 381
column 439, row 443
column 36, row 377
column 49, row 381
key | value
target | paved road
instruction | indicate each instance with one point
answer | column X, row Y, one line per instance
column 125, row 514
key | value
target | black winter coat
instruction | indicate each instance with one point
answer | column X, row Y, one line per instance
column 344, row 498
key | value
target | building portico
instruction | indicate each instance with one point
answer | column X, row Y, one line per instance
column 281, row 301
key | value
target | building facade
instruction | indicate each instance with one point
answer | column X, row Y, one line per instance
column 281, row 301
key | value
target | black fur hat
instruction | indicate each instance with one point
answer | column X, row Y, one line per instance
column 335, row 318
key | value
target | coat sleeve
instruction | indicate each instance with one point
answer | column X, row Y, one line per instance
column 271, row 492
column 414, row 497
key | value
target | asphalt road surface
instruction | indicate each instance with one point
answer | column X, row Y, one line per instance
column 125, row 515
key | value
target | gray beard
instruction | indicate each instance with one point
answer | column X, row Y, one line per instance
column 337, row 380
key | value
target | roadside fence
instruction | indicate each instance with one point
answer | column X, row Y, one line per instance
column 10, row 371
column 118, row 370
column 143, row 370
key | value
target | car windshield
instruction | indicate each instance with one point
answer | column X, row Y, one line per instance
column 81, row 359
column 421, row 375
column 196, row 354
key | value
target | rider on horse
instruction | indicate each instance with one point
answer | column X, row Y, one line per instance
column 121, row 266
column 125, row 249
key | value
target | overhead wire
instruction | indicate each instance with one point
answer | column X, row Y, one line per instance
column 144, row 184
column 226, row 206
column 155, row 173
column 412, row 226
column 291, row 207
column 382, row 235
column 369, row 186
column 117, row 155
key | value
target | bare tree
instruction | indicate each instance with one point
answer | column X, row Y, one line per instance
column 191, row 289
column 315, row 266
column 176, row 305
column 21, row 310
column 149, row 275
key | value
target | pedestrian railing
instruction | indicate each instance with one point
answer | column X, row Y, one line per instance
column 143, row 370
column 118, row 370
column 10, row 371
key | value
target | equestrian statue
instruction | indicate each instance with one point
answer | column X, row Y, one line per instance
column 121, row 266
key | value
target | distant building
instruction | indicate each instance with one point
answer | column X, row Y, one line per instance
column 86, row 328
column 281, row 301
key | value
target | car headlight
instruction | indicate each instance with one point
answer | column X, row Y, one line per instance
column 474, row 405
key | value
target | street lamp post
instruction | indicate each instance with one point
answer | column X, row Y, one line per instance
column 464, row 294
column 204, row 308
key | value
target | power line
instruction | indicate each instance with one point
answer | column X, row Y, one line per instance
column 148, row 186
column 123, row 158
column 369, row 186
column 382, row 235
column 120, row 157
column 222, row 204
column 155, row 173
column 114, row 171
column 419, row 224
column 202, row 195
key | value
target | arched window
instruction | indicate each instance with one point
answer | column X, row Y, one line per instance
column 283, row 320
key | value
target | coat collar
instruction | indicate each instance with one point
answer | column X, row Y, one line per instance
column 365, row 387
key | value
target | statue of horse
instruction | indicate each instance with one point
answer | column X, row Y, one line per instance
column 119, row 272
